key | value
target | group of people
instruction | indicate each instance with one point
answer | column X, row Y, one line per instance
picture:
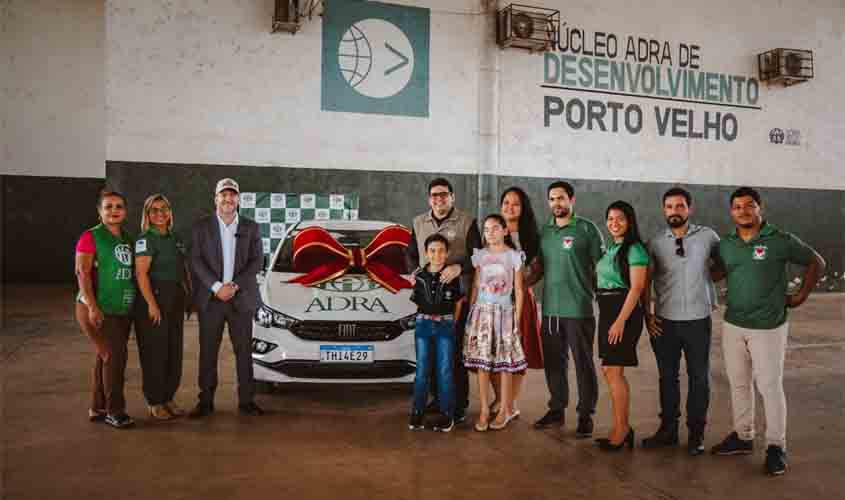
column 151, row 281
column 477, row 312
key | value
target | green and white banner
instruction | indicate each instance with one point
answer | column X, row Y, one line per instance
column 275, row 213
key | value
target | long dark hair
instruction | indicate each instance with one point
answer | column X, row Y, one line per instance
column 501, row 220
column 632, row 236
column 529, row 238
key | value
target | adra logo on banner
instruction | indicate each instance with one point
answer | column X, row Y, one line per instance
column 375, row 58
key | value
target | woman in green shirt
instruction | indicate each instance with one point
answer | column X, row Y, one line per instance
column 104, row 304
column 159, row 316
column 621, row 275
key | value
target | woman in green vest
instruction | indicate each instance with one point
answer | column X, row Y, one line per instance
column 159, row 313
column 621, row 277
column 106, row 295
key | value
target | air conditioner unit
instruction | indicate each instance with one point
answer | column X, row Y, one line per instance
column 289, row 15
column 532, row 28
column 785, row 66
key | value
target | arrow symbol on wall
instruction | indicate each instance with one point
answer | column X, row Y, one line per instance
column 399, row 55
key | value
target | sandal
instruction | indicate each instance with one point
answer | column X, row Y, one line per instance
column 498, row 427
column 482, row 427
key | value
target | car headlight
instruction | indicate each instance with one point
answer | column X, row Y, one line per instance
column 262, row 346
column 268, row 317
column 408, row 322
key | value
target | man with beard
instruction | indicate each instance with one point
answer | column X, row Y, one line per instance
column 682, row 257
column 570, row 247
column 461, row 231
column 755, row 257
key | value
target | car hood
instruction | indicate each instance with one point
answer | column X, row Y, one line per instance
column 347, row 298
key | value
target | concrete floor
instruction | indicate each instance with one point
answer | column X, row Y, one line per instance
column 352, row 442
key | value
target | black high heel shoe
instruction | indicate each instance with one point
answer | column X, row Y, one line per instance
column 606, row 445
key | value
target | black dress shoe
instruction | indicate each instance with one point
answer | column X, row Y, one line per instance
column 550, row 419
column 201, row 410
column 607, row 445
column 251, row 409
column 585, row 427
column 666, row 435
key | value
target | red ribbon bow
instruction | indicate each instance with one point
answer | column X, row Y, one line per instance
column 322, row 258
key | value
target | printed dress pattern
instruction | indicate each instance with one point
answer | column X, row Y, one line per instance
column 492, row 340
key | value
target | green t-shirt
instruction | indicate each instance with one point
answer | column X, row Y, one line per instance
column 607, row 270
column 569, row 255
column 756, row 274
column 167, row 251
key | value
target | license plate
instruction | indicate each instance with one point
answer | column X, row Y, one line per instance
column 346, row 353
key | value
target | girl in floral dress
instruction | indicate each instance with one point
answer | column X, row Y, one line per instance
column 492, row 344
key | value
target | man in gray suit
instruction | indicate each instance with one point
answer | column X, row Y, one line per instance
column 226, row 256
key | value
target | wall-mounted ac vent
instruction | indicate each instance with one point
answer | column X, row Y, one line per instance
column 533, row 28
column 290, row 14
column 786, row 66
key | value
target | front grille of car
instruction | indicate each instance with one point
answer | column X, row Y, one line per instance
column 340, row 331
column 314, row 369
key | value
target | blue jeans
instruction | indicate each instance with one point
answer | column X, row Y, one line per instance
column 435, row 342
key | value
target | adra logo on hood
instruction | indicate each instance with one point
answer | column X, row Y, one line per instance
column 349, row 284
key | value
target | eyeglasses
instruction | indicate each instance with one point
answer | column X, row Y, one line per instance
column 162, row 210
column 679, row 251
column 442, row 195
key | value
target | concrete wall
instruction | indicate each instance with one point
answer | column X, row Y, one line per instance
column 55, row 85
column 52, row 132
column 194, row 86
column 177, row 93
column 235, row 94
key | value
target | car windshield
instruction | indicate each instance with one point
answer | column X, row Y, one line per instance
column 395, row 256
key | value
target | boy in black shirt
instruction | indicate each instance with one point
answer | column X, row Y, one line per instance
column 439, row 304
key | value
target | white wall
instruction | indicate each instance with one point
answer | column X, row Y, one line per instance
column 730, row 34
column 197, row 82
column 192, row 81
column 54, row 85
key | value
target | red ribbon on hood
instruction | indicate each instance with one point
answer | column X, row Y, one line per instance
column 322, row 258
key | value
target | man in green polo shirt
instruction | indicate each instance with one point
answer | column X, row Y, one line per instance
column 570, row 247
column 754, row 257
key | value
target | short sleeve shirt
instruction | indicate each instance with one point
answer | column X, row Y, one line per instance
column 683, row 290
column 167, row 252
column 569, row 255
column 607, row 270
column 757, row 278
column 496, row 274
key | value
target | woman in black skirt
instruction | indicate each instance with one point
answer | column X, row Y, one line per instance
column 621, row 275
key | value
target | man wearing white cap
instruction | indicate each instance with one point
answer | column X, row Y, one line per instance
column 226, row 256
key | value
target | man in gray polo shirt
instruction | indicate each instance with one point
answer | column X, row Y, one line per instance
column 682, row 257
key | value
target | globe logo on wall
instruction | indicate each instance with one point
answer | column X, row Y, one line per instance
column 376, row 58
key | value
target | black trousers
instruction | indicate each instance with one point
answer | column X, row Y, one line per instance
column 692, row 338
column 160, row 347
column 459, row 371
column 560, row 336
column 212, row 320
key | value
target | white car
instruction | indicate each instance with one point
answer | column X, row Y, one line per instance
column 349, row 329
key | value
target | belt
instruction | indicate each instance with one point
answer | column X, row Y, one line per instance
column 606, row 292
column 436, row 317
